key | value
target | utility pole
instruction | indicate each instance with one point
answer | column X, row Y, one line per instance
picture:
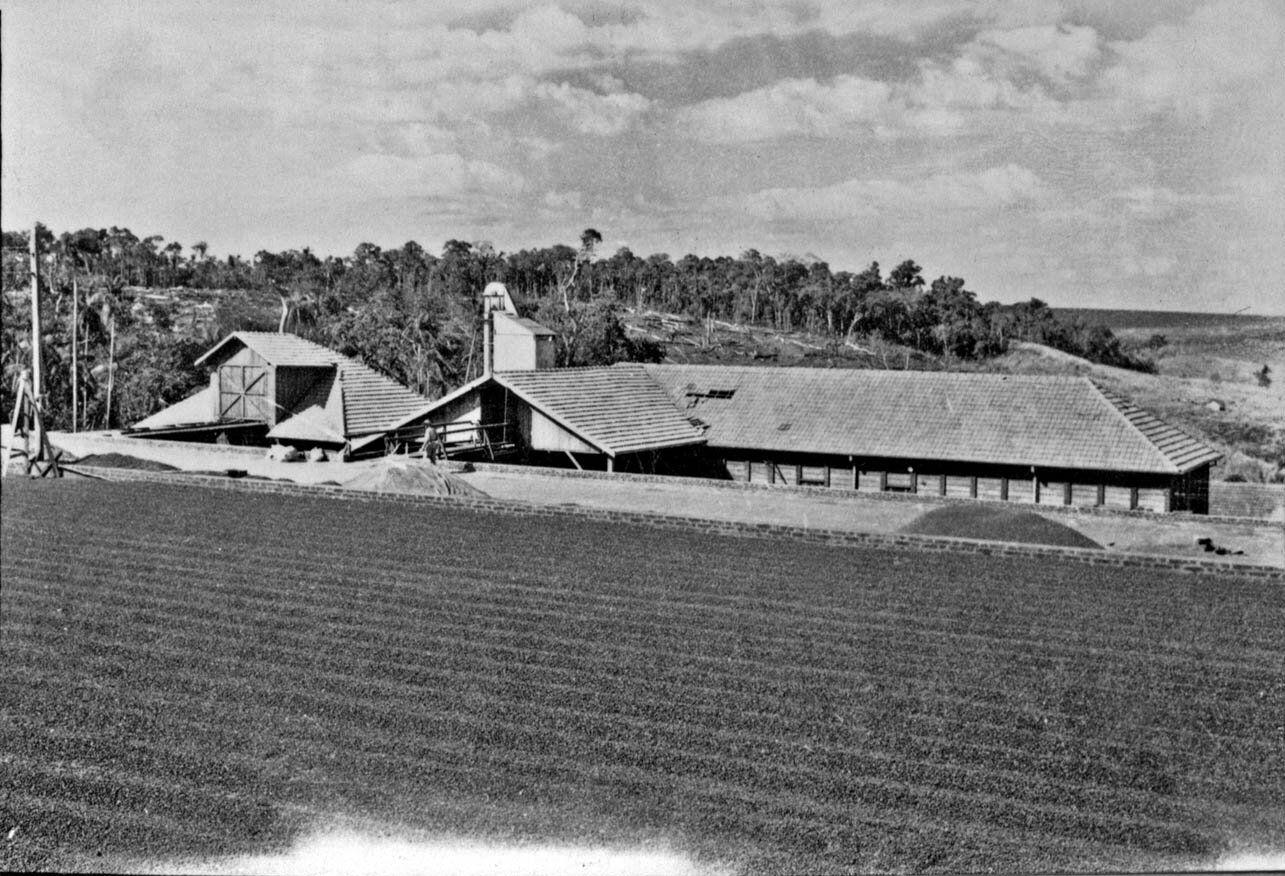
column 28, row 414
column 75, row 344
column 37, row 383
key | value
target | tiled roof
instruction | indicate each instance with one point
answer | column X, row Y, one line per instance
column 1183, row 450
column 196, row 408
column 278, row 349
column 1050, row 422
column 311, row 424
column 373, row 402
column 370, row 401
column 508, row 324
column 618, row 409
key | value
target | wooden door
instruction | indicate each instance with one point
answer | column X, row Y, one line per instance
column 243, row 392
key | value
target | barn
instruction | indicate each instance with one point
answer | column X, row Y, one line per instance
column 268, row 386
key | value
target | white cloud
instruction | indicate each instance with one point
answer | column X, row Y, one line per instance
column 793, row 107
column 1187, row 68
column 991, row 189
column 590, row 113
column 444, row 175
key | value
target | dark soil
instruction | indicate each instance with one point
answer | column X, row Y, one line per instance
column 205, row 672
column 997, row 524
column 120, row 460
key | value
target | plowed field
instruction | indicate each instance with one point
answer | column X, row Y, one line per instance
column 191, row 672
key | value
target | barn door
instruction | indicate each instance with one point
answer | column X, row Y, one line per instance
column 243, row 392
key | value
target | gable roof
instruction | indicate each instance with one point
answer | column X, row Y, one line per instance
column 313, row 423
column 196, row 409
column 618, row 409
column 277, row 348
column 355, row 398
column 507, row 324
column 1028, row 420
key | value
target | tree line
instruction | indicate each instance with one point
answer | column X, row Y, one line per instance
column 415, row 316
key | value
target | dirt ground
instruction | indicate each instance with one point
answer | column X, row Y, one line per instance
column 1262, row 543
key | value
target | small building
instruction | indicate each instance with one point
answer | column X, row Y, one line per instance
column 612, row 419
column 268, row 386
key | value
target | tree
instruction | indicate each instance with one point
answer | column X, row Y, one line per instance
column 906, row 275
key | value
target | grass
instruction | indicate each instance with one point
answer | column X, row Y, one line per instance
column 191, row 672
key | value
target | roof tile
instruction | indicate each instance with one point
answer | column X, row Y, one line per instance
column 1046, row 421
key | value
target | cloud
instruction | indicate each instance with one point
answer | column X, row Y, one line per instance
column 995, row 188
column 590, row 113
column 1188, row 68
column 443, row 175
column 1060, row 52
column 794, row 107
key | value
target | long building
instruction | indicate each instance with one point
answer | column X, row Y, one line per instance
column 1018, row 438
column 1048, row 440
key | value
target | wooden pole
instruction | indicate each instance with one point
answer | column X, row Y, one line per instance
column 37, row 383
column 75, row 351
column 37, row 386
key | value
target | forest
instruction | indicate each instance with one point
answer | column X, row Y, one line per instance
column 114, row 354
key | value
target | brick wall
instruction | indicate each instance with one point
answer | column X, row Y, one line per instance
column 1262, row 501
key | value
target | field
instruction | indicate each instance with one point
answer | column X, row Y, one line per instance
column 192, row 673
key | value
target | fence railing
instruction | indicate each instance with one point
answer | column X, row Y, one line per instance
column 450, row 439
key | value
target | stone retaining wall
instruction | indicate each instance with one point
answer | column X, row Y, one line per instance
column 714, row 527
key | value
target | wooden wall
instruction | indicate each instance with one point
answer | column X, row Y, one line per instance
column 1120, row 490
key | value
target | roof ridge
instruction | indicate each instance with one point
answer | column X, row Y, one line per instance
column 838, row 372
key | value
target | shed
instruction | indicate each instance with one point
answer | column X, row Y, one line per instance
column 288, row 389
column 603, row 417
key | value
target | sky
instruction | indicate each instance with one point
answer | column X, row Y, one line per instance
column 1090, row 153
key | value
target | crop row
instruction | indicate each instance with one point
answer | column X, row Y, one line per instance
column 818, row 787
column 285, row 687
column 704, row 672
column 1253, row 695
column 474, row 593
column 782, row 705
column 296, row 552
column 774, row 687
